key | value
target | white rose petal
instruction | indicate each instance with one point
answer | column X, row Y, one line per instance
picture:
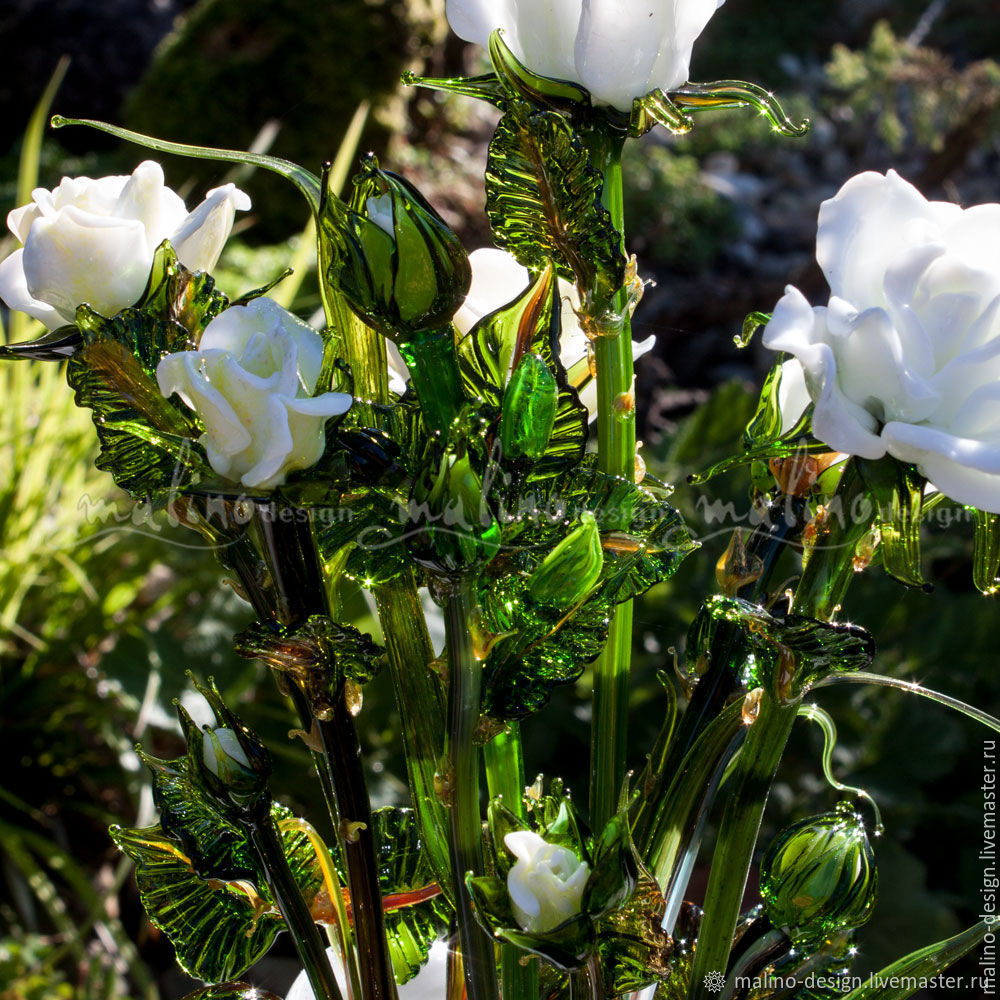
column 618, row 49
column 546, row 883
column 92, row 241
column 251, row 382
column 905, row 358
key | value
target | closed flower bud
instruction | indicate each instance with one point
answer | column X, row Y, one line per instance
column 819, row 875
column 393, row 257
column 529, row 410
column 572, row 568
column 226, row 759
column 546, row 883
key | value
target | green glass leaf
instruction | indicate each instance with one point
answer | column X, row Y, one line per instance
column 416, row 915
column 786, row 654
column 231, row 991
column 898, row 492
column 371, row 528
column 529, row 410
column 636, row 952
column 318, row 656
column 543, row 200
column 904, row 977
column 218, row 926
column 614, row 873
column 986, row 553
column 146, row 440
column 763, row 438
column 751, row 324
column 493, row 351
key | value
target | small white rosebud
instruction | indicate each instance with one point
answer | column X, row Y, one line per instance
column 546, row 883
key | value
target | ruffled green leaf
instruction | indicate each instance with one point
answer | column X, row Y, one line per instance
column 147, row 441
column 370, row 527
column 614, row 873
column 416, row 915
column 218, row 925
column 543, row 200
column 636, row 952
column 785, row 654
column 898, row 492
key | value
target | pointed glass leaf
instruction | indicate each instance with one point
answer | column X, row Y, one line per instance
column 543, row 200
column 519, row 81
column 485, row 87
column 898, row 492
column 56, row 345
column 903, row 978
column 494, row 348
column 307, row 183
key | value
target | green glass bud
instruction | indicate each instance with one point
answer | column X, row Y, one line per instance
column 230, row 759
column 447, row 502
column 571, row 570
column 398, row 265
column 529, row 410
column 819, row 875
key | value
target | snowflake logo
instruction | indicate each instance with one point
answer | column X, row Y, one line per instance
column 714, row 982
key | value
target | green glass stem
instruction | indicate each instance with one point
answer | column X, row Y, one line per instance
column 830, row 568
column 587, row 982
column 296, row 571
column 684, row 806
column 433, row 366
column 309, row 945
column 465, row 676
column 821, row 589
column 421, row 704
column 746, row 793
column 616, row 457
column 505, row 776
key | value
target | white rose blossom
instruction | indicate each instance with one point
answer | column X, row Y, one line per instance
column 251, row 382
column 546, row 883
column 497, row 280
column 92, row 241
column 905, row 358
column 617, row 49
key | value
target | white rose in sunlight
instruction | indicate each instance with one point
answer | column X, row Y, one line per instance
column 251, row 382
column 92, row 241
column 546, row 883
column 430, row 983
column 905, row 358
column 498, row 279
column 617, row 49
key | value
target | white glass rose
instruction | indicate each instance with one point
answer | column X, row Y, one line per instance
column 905, row 358
column 92, row 241
column 618, row 49
column 546, row 883
column 251, row 382
column 497, row 280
